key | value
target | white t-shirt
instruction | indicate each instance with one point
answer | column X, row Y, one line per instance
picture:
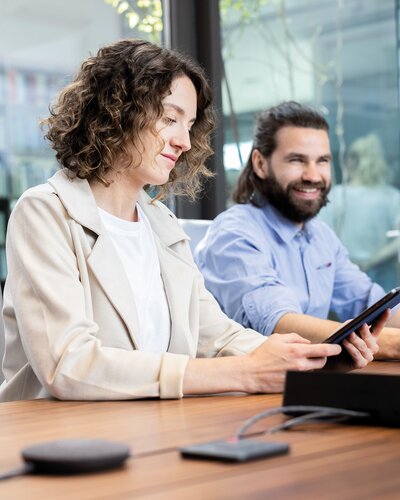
column 135, row 245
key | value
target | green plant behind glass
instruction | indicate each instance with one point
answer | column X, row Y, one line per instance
column 144, row 15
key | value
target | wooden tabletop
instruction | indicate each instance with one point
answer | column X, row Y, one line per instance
column 325, row 460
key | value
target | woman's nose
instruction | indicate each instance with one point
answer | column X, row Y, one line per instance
column 181, row 140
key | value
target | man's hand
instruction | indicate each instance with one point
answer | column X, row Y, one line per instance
column 359, row 349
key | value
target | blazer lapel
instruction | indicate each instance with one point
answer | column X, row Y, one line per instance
column 177, row 274
column 109, row 272
column 177, row 277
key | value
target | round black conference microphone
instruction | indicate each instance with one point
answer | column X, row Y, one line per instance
column 70, row 456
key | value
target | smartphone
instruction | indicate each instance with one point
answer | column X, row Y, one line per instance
column 391, row 299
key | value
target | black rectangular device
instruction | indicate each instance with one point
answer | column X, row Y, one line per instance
column 368, row 316
column 241, row 450
column 376, row 394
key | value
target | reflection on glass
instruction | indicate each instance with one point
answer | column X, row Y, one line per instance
column 364, row 209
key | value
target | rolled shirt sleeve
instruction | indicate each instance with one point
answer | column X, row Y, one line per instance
column 265, row 306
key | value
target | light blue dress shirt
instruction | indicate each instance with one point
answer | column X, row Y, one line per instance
column 260, row 266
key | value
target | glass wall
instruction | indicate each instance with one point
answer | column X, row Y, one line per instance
column 341, row 58
column 42, row 44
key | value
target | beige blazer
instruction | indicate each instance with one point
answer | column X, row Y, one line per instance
column 69, row 313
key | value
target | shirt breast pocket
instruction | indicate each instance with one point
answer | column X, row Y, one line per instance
column 324, row 278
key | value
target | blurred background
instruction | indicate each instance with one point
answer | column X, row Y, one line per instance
column 341, row 57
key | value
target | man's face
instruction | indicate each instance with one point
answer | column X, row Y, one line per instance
column 297, row 175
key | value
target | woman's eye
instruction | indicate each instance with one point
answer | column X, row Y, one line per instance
column 169, row 121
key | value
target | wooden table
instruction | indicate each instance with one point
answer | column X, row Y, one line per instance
column 325, row 461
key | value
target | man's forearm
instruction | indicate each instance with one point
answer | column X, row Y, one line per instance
column 317, row 330
column 389, row 344
column 309, row 327
column 394, row 321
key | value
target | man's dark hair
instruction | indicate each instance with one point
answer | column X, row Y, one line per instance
column 269, row 122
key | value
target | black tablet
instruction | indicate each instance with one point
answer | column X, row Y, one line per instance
column 390, row 300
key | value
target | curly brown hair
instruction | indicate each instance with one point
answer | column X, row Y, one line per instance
column 116, row 95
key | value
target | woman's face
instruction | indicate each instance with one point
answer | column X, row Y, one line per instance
column 173, row 128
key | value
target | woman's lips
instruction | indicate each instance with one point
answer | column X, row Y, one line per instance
column 170, row 157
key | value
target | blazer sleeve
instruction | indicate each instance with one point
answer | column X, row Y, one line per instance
column 55, row 328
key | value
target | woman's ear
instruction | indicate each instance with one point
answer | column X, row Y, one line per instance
column 260, row 164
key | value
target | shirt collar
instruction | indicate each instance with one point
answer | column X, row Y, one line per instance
column 285, row 229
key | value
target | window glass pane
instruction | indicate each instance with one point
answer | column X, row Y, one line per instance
column 341, row 58
column 42, row 44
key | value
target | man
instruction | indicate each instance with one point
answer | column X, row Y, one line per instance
column 269, row 262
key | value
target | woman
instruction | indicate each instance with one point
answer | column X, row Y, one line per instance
column 103, row 300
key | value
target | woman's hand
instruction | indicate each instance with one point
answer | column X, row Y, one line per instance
column 267, row 365
column 262, row 370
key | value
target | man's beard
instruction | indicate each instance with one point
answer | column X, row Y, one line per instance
column 290, row 206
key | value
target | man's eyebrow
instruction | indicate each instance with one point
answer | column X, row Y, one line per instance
column 293, row 154
column 328, row 156
column 178, row 109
